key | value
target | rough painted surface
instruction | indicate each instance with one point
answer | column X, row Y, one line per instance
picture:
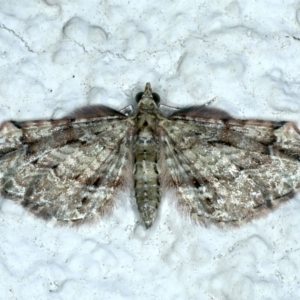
column 57, row 56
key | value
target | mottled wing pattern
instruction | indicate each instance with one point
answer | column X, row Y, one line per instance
column 228, row 171
column 220, row 170
column 69, row 170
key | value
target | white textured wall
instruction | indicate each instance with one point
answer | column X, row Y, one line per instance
column 58, row 55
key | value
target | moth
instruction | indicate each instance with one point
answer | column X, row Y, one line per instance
column 217, row 169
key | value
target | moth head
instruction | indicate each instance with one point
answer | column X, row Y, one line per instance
column 147, row 94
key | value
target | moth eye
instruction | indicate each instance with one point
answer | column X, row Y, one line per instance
column 155, row 96
column 138, row 97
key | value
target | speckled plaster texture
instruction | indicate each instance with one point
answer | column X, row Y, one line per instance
column 59, row 55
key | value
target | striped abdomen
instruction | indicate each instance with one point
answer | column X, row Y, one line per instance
column 146, row 175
